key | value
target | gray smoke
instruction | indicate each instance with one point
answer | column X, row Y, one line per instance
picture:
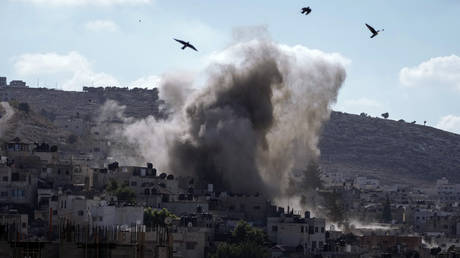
column 6, row 112
column 257, row 118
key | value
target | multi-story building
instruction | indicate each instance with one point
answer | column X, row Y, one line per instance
column 293, row 231
column 18, row 84
column 3, row 82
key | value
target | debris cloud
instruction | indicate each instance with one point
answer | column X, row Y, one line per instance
column 255, row 121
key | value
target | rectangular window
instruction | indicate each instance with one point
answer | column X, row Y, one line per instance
column 322, row 229
column 316, row 229
column 15, row 177
column 301, row 229
column 190, row 245
column 274, row 228
column 5, row 179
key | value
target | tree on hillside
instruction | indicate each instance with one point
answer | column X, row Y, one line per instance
column 246, row 241
column 334, row 204
column 312, row 176
column 385, row 115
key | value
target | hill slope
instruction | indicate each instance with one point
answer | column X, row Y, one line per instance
column 389, row 150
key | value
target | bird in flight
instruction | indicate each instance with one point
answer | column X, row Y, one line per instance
column 374, row 32
column 186, row 44
column 306, row 10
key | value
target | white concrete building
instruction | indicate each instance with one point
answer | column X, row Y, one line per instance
column 293, row 231
column 447, row 192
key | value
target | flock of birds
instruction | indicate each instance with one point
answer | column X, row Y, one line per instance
column 304, row 10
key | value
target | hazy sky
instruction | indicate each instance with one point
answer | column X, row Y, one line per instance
column 411, row 70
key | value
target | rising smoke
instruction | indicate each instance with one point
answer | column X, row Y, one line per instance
column 255, row 121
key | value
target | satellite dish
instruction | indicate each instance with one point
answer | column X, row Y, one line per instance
column 190, row 225
column 168, row 220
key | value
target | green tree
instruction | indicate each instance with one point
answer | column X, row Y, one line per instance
column 312, row 176
column 112, row 186
column 123, row 192
column 246, row 241
column 154, row 218
column 335, row 206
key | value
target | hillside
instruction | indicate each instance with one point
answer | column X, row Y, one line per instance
column 29, row 127
column 392, row 151
column 395, row 152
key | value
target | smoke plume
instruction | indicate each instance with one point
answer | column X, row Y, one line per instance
column 256, row 119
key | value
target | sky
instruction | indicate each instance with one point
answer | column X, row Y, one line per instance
column 411, row 70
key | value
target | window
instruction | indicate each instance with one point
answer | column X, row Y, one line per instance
column 301, row 229
column 24, row 225
column 133, row 183
column 274, row 228
column 322, row 229
column 15, row 177
column 4, row 194
column 5, row 179
column 316, row 229
column 190, row 245
column 80, row 213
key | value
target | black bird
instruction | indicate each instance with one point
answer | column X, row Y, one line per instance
column 186, row 44
column 306, row 10
column 374, row 32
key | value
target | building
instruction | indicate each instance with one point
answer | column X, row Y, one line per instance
column 289, row 230
column 364, row 183
column 18, row 84
column 446, row 191
column 3, row 82
column 109, row 215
